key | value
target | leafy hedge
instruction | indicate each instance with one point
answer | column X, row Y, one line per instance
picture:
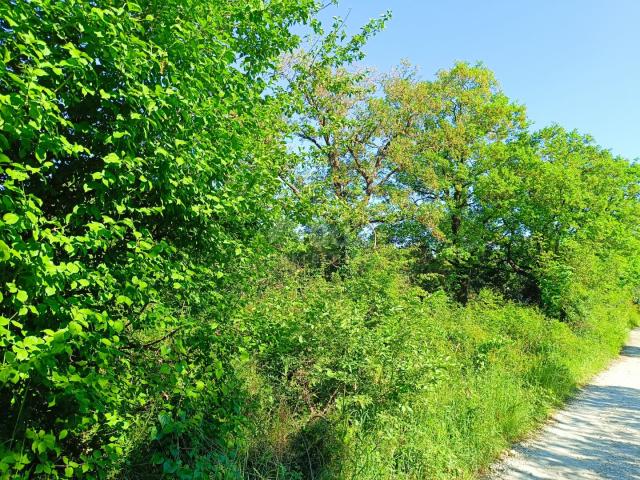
column 135, row 182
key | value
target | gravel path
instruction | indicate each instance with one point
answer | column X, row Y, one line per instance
column 595, row 436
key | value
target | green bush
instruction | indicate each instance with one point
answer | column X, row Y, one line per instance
column 363, row 375
column 136, row 171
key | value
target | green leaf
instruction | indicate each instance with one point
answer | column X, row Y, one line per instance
column 112, row 158
column 32, row 218
column 72, row 268
column 10, row 218
column 5, row 251
column 123, row 299
column 117, row 325
column 75, row 328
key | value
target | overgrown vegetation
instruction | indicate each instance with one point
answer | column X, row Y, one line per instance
column 225, row 255
column 364, row 375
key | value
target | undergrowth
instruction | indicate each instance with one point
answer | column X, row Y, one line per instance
column 364, row 375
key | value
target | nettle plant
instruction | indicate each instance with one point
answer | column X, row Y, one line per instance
column 133, row 177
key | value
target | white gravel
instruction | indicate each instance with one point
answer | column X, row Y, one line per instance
column 595, row 436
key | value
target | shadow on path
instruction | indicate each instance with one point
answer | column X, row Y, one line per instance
column 630, row 351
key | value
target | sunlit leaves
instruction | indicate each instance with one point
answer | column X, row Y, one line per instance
column 113, row 137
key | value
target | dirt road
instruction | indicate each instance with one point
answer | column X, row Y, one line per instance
column 595, row 436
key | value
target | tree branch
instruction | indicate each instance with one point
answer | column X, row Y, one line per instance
column 310, row 139
column 292, row 187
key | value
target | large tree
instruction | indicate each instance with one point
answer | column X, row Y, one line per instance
column 555, row 205
column 399, row 154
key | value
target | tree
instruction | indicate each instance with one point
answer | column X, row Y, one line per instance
column 447, row 166
column 466, row 117
column 558, row 204
column 401, row 155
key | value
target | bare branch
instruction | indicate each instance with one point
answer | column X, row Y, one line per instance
column 387, row 177
column 310, row 139
column 292, row 187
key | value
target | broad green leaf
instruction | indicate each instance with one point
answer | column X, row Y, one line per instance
column 10, row 218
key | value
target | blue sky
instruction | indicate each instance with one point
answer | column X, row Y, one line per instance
column 573, row 62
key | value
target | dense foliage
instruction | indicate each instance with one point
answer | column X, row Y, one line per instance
column 136, row 178
column 222, row 256
column 364, row 375
column 448, row 166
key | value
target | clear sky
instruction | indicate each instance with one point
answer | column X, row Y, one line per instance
column 574, row 62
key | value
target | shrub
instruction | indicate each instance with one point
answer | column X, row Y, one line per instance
column 135, row 180
column 364, row 375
